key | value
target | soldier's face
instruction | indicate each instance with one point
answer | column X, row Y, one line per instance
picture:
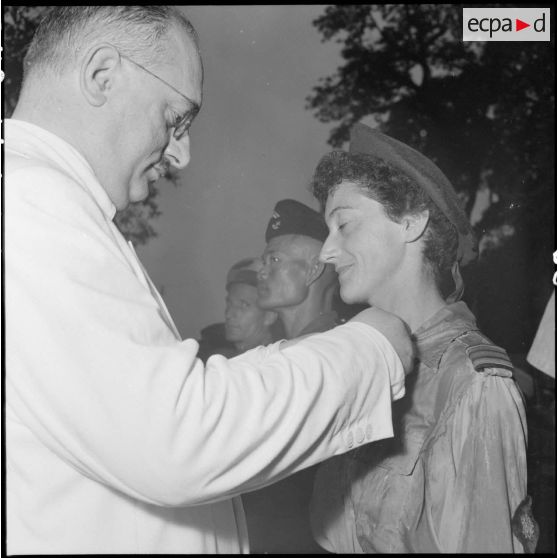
column 244, row 320
column 282, row 280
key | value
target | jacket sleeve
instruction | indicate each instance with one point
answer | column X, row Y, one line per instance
column 96, row 374
column 478, row 470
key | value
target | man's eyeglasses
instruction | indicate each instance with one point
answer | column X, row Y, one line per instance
column 183, row 123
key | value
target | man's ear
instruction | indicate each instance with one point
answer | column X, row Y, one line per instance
column 270, row 317
column 315, row 270
column 97, row 73
column 414, row 225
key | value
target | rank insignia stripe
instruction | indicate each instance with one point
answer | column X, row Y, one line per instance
column 489, row 356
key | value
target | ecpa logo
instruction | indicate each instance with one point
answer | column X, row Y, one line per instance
column 506, row 24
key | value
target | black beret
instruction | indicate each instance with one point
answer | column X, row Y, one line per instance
column 425, row 173
column 293, row 217
column 244, row 271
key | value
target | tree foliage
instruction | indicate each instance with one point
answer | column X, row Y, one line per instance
column 19, row 23
column 484, row 112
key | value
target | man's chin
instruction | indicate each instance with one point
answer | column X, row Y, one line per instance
column 232, row 338
column 140, row 193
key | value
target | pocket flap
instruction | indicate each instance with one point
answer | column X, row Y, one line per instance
column 403, row 458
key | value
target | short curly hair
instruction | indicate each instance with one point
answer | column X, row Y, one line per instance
column 398, row 194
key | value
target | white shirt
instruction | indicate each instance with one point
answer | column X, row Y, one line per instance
column 118, row 440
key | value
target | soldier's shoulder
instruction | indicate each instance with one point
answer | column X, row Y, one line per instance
column 481, row 355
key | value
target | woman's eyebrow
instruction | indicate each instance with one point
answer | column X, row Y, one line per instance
column 338, row 208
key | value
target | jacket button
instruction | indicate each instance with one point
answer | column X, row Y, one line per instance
column 350, row 440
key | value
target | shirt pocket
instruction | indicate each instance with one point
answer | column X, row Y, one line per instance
column 403, row 459
column 387, row 498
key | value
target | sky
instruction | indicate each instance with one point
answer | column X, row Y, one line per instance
column 252, row 144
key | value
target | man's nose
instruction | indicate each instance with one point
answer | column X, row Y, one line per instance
column 262, row 272
column 178, row 151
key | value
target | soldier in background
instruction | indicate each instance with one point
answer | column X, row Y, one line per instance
column 246, row 325
column 294, row 283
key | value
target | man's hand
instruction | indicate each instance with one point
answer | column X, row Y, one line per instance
column 394, row 330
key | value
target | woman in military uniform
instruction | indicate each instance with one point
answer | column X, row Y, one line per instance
column 454, row 477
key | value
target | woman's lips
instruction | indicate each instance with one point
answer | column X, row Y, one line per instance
column 342, row 269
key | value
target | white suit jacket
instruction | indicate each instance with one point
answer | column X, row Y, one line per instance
column 118, row 440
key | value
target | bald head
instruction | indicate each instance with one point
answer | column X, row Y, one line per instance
column 67, row 32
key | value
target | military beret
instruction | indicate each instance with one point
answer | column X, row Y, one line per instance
column 244, row 271
column 293, row 217
column 425, row 173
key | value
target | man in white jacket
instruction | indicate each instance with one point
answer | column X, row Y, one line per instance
column 118, row 440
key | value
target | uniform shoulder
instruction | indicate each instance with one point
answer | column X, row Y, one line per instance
column 470, row 360
column 482, row 355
